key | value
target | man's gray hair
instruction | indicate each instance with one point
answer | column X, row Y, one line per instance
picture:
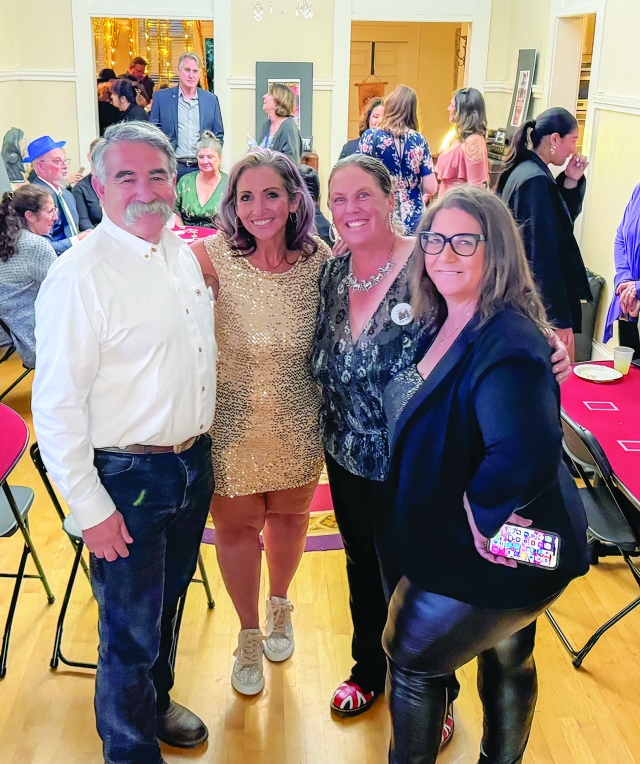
column 189, row 54
column 131, row 132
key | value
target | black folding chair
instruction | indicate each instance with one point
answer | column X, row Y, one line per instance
column 75, row 537
column 6, row 351
column 612, row 520
column 73, row 532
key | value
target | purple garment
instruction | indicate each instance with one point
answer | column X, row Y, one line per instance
column 626, row 256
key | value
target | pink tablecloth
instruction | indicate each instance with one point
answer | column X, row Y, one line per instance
column 611, row 412
column 193, row 233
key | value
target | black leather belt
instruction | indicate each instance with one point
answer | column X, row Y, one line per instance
column 188, row 162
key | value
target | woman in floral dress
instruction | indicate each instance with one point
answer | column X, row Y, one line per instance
column 398, row 143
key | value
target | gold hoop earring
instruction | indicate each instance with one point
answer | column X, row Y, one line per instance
column 238, row 222
column 552, row 150
column 293, row 217
column 333, row 234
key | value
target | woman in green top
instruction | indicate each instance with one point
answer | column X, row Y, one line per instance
column 198, row 194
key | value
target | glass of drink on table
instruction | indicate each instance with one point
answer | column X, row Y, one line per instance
column 622, row 358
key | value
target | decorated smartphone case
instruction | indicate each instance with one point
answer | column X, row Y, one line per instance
column 527, row 546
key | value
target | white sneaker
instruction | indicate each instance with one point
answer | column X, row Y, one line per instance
column 247, row 676
column 279, row 644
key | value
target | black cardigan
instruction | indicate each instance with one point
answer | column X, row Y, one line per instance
column 88, row 204
column 286, row 140
column 545, row 211
column 486, row 422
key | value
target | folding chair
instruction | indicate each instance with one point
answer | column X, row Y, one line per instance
column 15, row 503
column 6, row 351
column 611, row 519
column 74, row 535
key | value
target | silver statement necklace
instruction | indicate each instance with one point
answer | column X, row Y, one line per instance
column 364, row 285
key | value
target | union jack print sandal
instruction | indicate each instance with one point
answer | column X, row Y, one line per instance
column 448, row 727
column 350, row 700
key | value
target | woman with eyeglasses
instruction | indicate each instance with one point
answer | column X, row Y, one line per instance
column 476, row 443
column 367, row 332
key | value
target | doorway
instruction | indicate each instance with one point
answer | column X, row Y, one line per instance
column 571, row 72
column 160, row 42
column 428, row 57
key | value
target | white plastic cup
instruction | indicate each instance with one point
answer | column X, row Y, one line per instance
column 622, row 358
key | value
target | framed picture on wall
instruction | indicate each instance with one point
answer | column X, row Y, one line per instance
column 298, row 77
column 521, row 101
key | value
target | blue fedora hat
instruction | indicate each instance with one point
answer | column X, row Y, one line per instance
column 42, row 146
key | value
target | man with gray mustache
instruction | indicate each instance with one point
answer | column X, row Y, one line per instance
column 123, row 396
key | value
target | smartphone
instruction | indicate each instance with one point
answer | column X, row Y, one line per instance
column 527, row 546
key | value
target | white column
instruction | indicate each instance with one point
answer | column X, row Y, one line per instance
column 222, row 69
column 479, row 51
column 341, row 70
column 86, row 93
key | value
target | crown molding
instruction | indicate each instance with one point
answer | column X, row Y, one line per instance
column 248, row 83
column 621, row 104
column 38, row 75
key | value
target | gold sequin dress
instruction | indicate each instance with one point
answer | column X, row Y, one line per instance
column 266, row 435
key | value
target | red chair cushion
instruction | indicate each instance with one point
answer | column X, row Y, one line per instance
column 14, row 439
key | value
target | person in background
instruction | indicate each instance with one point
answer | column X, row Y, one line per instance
column 184, row 112
column 626, row 256
column 464, row 161
column 370, row 117
column 366, row 333
column 87, row 202
column 50, row 167
column 198, row 194
column 108, row 114
column 399, row 145
column 323, row 227
column 26, row 218
column 123, row 96
column 263, row 267
column 476, row 443
column 546, row 208
column 280, row 132
column 123, row 396
column 137, row 74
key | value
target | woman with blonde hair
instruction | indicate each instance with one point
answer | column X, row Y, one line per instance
column 280, row 132
column 263, row 266
column 399, row 145
column 198, row 194
column 367, row 332
column 464, row 160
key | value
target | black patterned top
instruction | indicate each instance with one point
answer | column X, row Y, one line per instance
column 353, row 376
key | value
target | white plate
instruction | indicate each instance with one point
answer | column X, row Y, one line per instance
column 592, row 372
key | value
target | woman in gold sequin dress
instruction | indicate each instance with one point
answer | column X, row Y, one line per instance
column 263, row 266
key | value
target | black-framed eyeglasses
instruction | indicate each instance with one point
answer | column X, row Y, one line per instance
column 463, row 244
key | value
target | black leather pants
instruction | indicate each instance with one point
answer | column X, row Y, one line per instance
column 426, row 639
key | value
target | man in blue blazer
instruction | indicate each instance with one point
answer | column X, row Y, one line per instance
column 50, row 166
column 184, row 112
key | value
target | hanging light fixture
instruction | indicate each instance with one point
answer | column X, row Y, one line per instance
column 305, row 8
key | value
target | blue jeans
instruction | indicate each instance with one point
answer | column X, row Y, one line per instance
column 164, row 499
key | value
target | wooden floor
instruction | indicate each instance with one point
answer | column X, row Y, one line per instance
column 591, row 716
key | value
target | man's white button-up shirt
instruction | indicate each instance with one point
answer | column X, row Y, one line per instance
column 125, row 353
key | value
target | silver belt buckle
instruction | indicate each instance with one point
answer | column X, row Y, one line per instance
column 185, row 446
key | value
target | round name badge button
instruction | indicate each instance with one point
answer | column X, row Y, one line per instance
column 402, row 314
